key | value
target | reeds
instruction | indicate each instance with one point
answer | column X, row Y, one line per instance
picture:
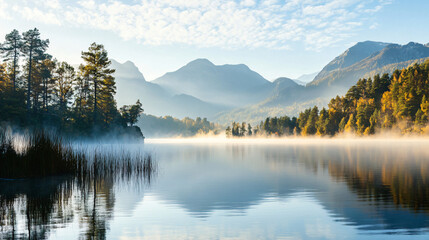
column 47, row 154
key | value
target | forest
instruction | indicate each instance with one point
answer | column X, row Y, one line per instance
column 397, row 102
column 169, row 126
column 38, row 91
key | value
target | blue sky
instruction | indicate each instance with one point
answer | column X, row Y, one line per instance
column 277, row 38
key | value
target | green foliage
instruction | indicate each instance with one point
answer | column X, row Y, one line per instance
column 11, row 49
column 130, row 113
column 169, row 126
column 42, row 95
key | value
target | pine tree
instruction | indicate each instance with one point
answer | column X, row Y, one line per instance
column 11, row 49
column 63, row 87
column 249, row 130
column 97, row 71
column 228, row 131
column 34, row 48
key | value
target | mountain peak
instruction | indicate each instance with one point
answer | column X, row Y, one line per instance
column 235, row 85
column 200, row 62
column 354, row 54
column 283, row 80
column 415, row 45
column 129, row 63
column 306, row 78
column 369, row 43
column 362, row 50
column 126, row 70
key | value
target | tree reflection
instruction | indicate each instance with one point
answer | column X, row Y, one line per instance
column 45, row 204
column 384, row 175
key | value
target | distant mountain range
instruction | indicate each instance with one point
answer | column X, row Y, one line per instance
column 305, row 78
column 229, row 85
column 363, row 60
column 225, row 93
column 131, row 85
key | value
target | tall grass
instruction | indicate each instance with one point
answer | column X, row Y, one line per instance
column 50, row 171
column 47, row 154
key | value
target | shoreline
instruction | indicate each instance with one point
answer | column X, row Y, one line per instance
column 287, row 140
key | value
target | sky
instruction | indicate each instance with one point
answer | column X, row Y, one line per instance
column 276, row 38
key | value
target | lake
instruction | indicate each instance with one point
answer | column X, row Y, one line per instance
column 236, row 189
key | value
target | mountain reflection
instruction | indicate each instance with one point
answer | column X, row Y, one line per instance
column 374, row 185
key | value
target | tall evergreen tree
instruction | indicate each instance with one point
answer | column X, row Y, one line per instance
column 34, row 48
column 97, row 70
column 47, row 71
column 63, row 87
column 11, row 49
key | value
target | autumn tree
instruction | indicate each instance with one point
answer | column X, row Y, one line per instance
column 96, row 70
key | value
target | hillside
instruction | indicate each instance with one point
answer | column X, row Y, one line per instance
column 388, row 59
column 397, row 103
column 234, row 92
column 334, row 79
column 353, row 55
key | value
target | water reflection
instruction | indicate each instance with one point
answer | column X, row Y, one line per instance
column 374, row 186
column 32, row 208
column 319, row 190
column 41, row 204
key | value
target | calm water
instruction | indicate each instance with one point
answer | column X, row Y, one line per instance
column 237, row 190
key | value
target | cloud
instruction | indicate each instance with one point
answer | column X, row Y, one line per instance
column 53, row 4
column 37, row 14
column 373, row 26
column 271, row 24
column 3, row 10
column 248, row 3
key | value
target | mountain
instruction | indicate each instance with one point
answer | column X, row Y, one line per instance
column 226, row 93
column 126, row 70
column 306, row 78
column 131, row 85
column 283, row 83
column 299, row 82
column 356, row 53
column 230, row 85
column 360, row 61
column 391, row 57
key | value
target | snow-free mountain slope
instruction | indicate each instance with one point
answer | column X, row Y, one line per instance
column 232, row 85
column 354, row 54
column 131, row 85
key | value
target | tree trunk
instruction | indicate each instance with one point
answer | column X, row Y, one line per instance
column 15, row 56
column 29, row 80
column 95, row 102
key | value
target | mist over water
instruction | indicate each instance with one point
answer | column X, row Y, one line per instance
column 216, row 188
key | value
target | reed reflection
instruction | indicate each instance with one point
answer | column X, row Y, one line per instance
column 42, row 205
